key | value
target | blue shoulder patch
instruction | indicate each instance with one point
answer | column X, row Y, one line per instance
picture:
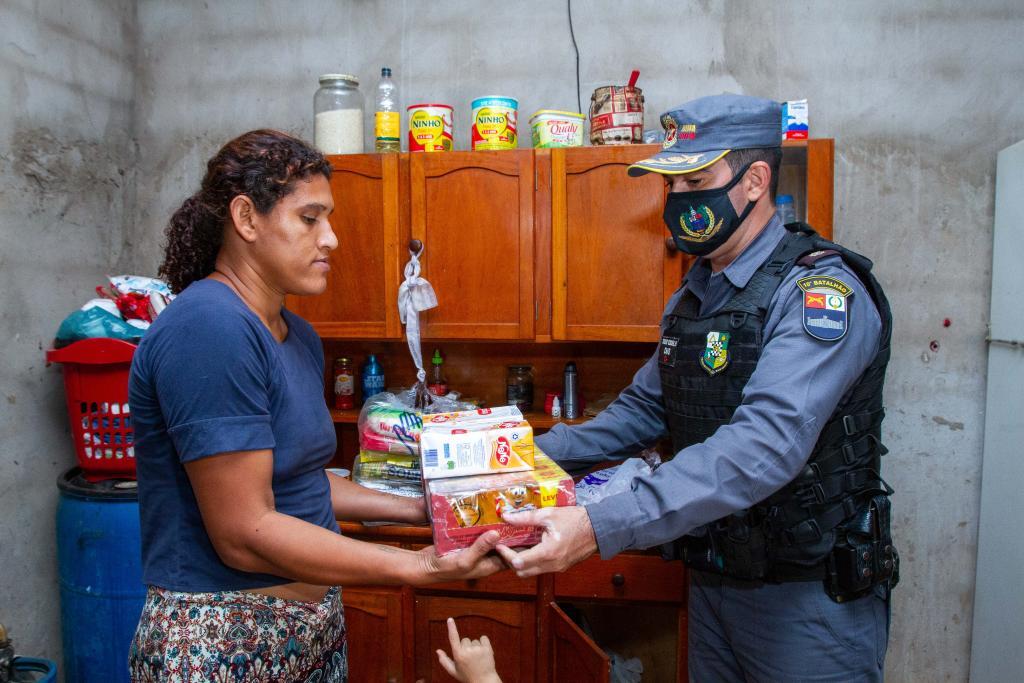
column 825, row 313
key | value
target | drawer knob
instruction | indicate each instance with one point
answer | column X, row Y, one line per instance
column 618, row 580
column 670, row 244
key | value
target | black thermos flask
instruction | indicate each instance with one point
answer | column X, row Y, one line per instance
column 570, row 393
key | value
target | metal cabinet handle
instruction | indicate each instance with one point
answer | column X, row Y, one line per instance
column 618, row 580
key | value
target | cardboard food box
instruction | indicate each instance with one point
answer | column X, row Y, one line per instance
column 465, row 445
column 794, row 120
column 497, row 414
column 464, row 508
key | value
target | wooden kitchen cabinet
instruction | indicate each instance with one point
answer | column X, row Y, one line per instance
column 575, row 658
column 535, row 245
column 510, row 625
column 473, row 212
column 611, row 269
column 374, row 620
column 362, row 285
column 533, row 638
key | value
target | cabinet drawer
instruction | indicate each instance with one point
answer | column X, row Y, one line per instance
column 626, row 577
column 505, row 583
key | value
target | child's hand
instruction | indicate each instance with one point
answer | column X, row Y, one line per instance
column 473, row 659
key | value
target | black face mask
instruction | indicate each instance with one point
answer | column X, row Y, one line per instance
column 702, row 221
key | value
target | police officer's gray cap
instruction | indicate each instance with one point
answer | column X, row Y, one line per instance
column 702, row 131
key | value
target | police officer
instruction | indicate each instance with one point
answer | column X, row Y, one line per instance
column 768, row 380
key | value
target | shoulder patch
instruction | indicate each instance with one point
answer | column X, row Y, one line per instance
column 825, row 313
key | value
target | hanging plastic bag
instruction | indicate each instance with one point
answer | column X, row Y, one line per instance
column 415, row 295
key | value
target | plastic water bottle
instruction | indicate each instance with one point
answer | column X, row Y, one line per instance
column 785, row 208
column 373, row 378
column 387, row 122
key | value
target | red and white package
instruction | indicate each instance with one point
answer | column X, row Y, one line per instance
column 464, row 508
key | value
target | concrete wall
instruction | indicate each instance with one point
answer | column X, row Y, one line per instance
column 66, row 84
column 917, row 95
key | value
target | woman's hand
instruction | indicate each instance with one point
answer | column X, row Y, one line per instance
column 472, row 563
column 472, row 661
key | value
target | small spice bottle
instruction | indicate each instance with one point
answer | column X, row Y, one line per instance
column 344, row 384
column 519, row 387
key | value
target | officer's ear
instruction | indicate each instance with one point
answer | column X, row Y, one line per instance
column 758, row 181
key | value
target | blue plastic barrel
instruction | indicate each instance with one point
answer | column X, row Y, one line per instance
column 101, row 590
column 33, row 670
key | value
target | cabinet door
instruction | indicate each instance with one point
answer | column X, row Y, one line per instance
column 473, row 211
column 362, row 285
column 510, row 625
column 574, row 656
column 373, row 618
column 611, row 270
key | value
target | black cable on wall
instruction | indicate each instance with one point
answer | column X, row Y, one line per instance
column 576, row 49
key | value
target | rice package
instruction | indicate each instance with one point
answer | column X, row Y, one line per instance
column 473, row 442
column 464, row 508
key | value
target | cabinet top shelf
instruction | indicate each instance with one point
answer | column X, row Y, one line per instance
column 536, row 419
column 570, row 150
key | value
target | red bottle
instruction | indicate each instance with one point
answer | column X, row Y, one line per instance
column 344, row 384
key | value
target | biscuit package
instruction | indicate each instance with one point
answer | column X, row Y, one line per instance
column 473, row 442
column 464, row 508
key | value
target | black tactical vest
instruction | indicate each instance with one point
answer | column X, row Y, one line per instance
column 791, row 535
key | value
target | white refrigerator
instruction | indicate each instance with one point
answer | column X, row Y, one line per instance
column 997, row 645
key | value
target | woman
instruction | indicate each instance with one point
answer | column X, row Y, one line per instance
column 241, row 550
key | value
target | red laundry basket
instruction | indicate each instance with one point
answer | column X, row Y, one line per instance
column 96, row 389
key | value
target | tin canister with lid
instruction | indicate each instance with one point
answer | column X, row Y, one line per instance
column 617, row 115
column 430, row 127
column 495, row 122
column 554, row 128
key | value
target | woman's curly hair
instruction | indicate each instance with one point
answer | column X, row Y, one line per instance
column 261, row 164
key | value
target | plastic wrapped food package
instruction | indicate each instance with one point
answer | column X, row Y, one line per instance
column 390, row 424
column 396, row 474
column 464, row 508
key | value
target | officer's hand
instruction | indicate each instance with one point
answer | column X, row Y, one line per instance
column 568, row 538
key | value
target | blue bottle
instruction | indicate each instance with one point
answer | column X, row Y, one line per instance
column 373, row 378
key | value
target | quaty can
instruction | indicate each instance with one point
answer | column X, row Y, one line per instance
column 553, row 128
column 495, row 120
column 430, row 127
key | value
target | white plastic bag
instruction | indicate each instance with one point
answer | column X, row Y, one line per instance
column 415, row 295
column 612, row 480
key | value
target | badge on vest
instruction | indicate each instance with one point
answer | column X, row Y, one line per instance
column 667, row 351
column 716, row 353
column 825, row 313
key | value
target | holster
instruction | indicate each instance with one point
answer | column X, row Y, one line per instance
column 864, row 555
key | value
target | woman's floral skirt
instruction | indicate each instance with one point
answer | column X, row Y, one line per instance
column 238, row 637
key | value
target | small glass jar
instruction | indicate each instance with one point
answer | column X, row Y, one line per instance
column 519, row 387
column 338, row 115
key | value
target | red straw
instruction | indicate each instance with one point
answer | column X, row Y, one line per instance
column 633, row 76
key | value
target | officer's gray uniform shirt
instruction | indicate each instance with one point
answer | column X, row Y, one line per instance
column 795, row 388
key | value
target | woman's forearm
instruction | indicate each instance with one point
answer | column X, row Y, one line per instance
column 355, row 503
column 285, row 546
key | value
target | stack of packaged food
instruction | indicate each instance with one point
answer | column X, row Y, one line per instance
column 473, row 466
column 389, row 454
column 478, row 465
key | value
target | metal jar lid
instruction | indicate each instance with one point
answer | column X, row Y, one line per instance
column 348, row 78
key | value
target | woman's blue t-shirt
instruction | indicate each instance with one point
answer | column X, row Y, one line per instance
column 210, row 378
